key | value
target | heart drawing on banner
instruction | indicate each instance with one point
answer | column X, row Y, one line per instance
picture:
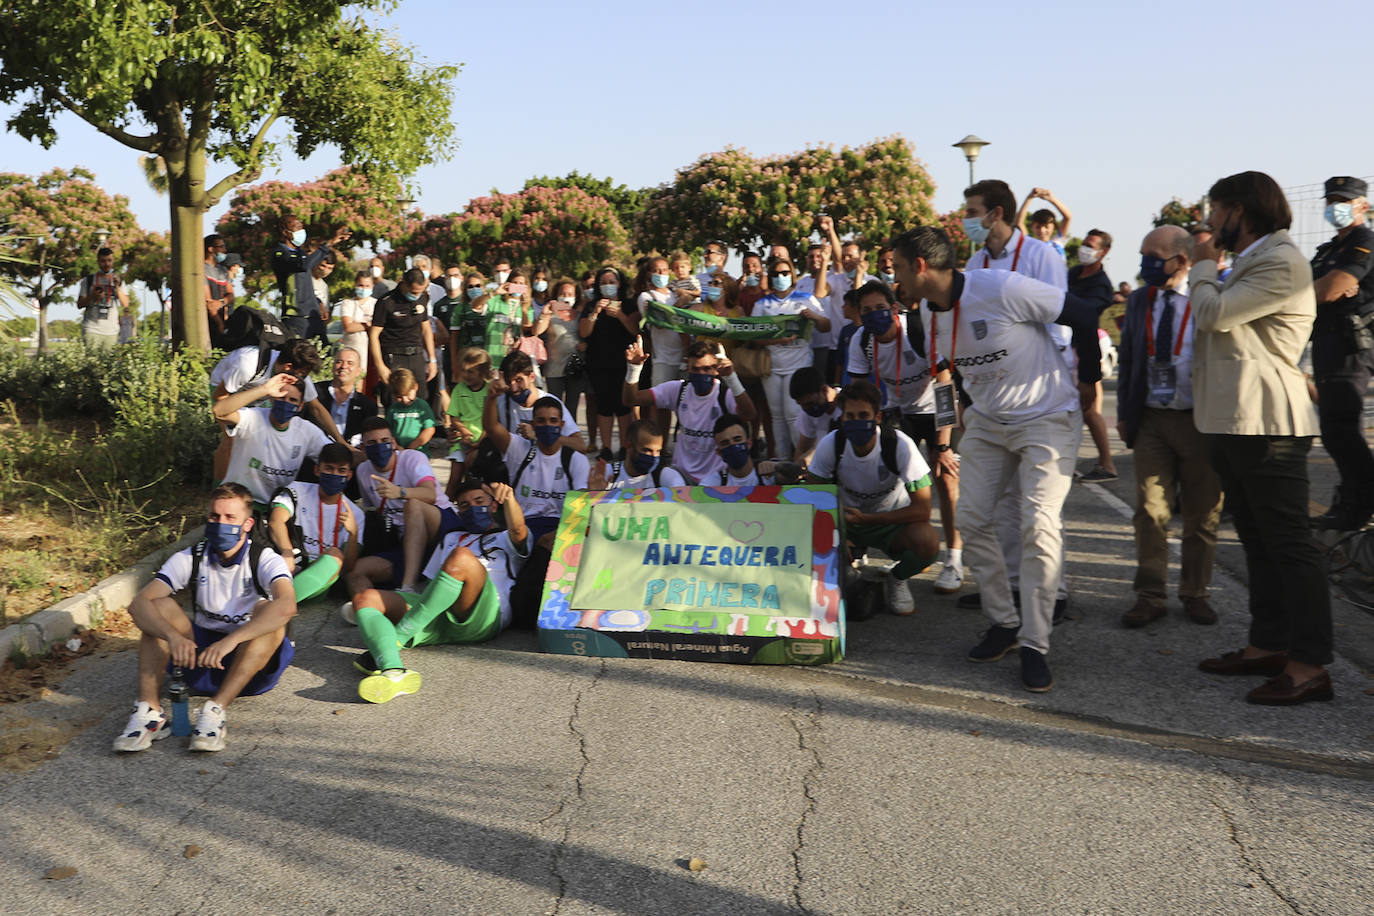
column 746, row 532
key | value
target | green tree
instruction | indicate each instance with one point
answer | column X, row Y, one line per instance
column 56, row 223
column 1177, row 213
column 627, row 201
column 871, row 191
column 192, row 81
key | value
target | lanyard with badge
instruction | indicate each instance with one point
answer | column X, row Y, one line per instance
column 1162, row 375
column 946, row 405
column 1016, row 258
column 338, row 519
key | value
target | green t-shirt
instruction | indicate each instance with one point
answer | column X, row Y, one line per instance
column 466, row 405
column 409, row 420
column 503, row 327
column 471, row 326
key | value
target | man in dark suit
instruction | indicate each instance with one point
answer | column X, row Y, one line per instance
column 346, row 404
column 1155, row 419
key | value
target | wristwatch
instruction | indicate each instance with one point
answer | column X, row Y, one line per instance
column 942, row 447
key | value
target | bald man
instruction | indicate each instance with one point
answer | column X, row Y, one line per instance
column 1155, row 420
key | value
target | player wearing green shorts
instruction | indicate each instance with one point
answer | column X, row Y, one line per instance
column 314, row 527
column 472, row 573
column 884, row 486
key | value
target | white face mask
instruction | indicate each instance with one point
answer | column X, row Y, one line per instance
column 377, row 272
column 453, row 284
column 569, row 301
column 1088, row 255
column 502, row 276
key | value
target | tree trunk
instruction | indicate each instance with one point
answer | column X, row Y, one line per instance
column 190, row 324
column 42, row 326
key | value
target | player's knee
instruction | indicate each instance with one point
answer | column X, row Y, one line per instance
column 334, row 552
column 368, row 597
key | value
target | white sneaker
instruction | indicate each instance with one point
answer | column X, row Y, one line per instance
column 349, row 616
column 899, row 600
column 950, row 580
column 145, row 726
column 211, row 728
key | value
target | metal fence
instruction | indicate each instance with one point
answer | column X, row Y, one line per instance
column 1308, row 203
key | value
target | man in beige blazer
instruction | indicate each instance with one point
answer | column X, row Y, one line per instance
column 1251, row 401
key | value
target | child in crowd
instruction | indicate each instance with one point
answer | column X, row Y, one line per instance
column 472, row 368
column 411, row 419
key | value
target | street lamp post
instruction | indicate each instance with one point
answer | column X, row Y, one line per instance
column 101, row 237
column 972, row 145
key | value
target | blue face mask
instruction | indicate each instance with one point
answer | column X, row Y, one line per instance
column 222, row 536
column 851, row 274
column 333, row 484
column 283, row 411
column 548, row 435
column 589, row 293
column 781, row 283
column 475, row 292
column 540, row 285
column 475, row 518
column 1340, row 215
column 362, row 292
column 520, row 397
column 610, row 290
column 711, row 293
column 887, row 277
column 659, row 280
column 220, row 257
column 713, row 269
column 411, row 297
column 816, row 408
column 736, row 455
column 298, row 237
column 877, row 322
column 858, row 432
column 701, row 382
column 975, row 230
column 1152, row 270
column 379, row 453
column 643, row 464
column 751, row 280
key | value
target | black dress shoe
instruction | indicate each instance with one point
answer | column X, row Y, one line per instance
column 1236, row 663
column 974, row 600
column 1281, row 691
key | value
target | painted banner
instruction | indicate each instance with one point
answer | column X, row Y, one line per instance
column 703, row 324
column 689, row 557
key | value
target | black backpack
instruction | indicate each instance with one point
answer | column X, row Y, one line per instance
column 255, row 548
column 682, row 396
column 566, row 457
column 887, row 446
column 251, row 327
column 617, row 465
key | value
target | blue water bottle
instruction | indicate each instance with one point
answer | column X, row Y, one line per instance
column 181, row 707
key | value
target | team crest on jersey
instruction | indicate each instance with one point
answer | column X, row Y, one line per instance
column 980, row 328
column 419, row 309
column 295, row 452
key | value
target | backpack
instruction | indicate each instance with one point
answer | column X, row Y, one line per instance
column 251, row 327
column 617, row 465
column 293, row 528
column 682, row 396
column 887, row 446
column 566, row 457
column 255, row 548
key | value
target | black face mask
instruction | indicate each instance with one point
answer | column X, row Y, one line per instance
column 1229, row 235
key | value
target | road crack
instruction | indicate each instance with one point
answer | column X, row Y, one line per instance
column 1251, row 865
column 806, row 725
column 574, row 797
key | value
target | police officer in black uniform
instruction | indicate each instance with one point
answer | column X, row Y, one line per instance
column 400, row 336
column 1343, row 350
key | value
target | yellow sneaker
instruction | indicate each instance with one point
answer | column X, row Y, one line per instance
column 387, row 685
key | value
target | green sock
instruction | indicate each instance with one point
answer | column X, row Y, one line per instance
column 440, row 595
column 908, row 564
column 317, row 577
column 379, row 634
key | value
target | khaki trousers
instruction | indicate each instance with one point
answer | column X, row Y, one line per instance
column 1171, row 454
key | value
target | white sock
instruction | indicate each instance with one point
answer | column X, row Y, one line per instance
column 955, row 557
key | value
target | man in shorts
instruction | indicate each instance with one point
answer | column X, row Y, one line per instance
column 467, row 600
column 233, row 643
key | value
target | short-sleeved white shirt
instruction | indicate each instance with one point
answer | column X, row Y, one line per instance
column 542, row 486
column 411, row 469
column 1039, row 261
column 264, row 457
column 726, row 478
column 625, row 480
column 1011, row 366
column 908, row 388
column 865, row 481
column 832, row 306
column 694, row 451
column 236, row 370
column 496, row 551
column 815, row 427
column 796, row 355
column 321, row 524
column 225, row 595
column 511, row 413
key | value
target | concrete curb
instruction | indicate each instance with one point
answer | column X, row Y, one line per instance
column 36, row 634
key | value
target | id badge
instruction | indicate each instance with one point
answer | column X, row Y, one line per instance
column 946, row 406
column 1163, row 381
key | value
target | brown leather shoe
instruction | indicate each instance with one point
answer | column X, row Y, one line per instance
column 1236, row 663
column 1142, row 613
column 1281, row 691
column 1199, row 611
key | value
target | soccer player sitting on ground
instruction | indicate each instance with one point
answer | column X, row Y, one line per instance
column 411, row 512
column 542, row 468
column 270, row 444
column 410, row 418
column 467, row 601
column 884, row 487
column 731, row 436
column 710, row 391
column 315, row 528
column 233, row 643
column 643, row 465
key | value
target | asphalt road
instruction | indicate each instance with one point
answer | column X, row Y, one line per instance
column 902, row 780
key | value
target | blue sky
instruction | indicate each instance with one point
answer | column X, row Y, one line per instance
column 1114, row 110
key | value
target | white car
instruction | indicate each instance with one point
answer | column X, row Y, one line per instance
column 1104, row 341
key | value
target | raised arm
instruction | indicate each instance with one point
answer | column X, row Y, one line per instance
column 228, row 408
column 491, row 421
column 634, row 365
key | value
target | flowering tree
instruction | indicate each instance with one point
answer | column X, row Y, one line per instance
column 627, row 201
column 953, row 224
column 747, row 202
column 55, row 224
column 345, row 197
column 1177, row 213
column 566, row 228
